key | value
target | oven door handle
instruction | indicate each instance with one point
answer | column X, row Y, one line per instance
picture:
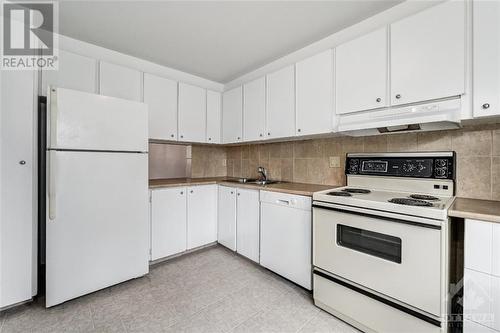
column 412, row 220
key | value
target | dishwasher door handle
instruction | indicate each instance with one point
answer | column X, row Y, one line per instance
column 283, row 202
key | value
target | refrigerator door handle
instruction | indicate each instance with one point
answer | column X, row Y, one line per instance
column 52, row 185
column 52, row 104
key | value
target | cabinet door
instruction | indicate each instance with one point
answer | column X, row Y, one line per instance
column 160, row 95
column 226, row 231
column 254, row 110
column 478, row 245
column 361, row 73
column 247, row 223
column 201, row 215
column 232, row 115
column 192, row 113
column 168, row 222
column 486, row 57
column 119, row 81
column 213, row 116
column 280, row 103
column 314, row 94
column 75, row 72
column 428, row 54
column 16, row 187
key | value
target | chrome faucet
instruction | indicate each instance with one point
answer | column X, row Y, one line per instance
column 263, row 172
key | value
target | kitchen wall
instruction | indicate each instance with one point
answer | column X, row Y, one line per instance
column 169, row 161
column 308, row 161
column 208, row 161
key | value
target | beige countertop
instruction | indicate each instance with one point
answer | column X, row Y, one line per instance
column 283, row 187
column 484, row 210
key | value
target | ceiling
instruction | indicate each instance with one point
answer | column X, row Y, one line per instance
column 217, row 40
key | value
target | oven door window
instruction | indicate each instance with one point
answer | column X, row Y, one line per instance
column 369, row 242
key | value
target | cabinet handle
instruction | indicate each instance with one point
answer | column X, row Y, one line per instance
column 379, row 100
column 182, row 136
column 171, row 135
column 260, row 135
column 268, row 133
column 398, row 96
column 238, row 194
column 232, row 192
column 22, row 162
column 486, row 106
column 298, row 130
column 191, row 191
column 182, row 192
column 209, row 139
column 239, row 138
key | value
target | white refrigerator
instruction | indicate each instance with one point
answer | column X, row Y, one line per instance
column 97, row 229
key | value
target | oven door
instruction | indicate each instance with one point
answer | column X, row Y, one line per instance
column 398, row 258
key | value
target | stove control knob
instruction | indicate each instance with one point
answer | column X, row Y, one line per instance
column 441, row 172
column 441, row 163
column 353, row 166
column 409, row 167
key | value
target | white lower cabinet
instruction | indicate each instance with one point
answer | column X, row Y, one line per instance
column 239, row 221
column 247, row 223
column 168, row 222
column 182, row 218
column 226, row 231
column 481, row 277
column 201, row 215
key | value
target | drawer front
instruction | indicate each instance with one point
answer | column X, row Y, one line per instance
column 364, row 312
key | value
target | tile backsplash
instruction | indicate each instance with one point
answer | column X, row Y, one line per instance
column 316, row 161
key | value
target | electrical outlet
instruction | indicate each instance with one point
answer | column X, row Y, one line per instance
column 334, row 161
column 224, row 162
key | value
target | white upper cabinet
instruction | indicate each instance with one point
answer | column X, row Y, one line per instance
column 280, row 103
column 361, row 73
column 232, row 115
column 254, row 110
column 486, row 58
column 192, row 113
column 119, row 81
column 201, row 215
column 314, row 94
column 160, row 95
column 428, row 54
column 213, row 116
column 75, row 72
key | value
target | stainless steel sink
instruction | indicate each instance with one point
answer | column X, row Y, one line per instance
column 242, row 180
column 253, row 181
column 266, row 182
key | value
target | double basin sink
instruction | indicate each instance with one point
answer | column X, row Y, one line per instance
column 253, row 181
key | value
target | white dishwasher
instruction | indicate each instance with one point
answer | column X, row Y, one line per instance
column 285, row 236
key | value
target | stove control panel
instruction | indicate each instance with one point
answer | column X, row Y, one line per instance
column 436, row 167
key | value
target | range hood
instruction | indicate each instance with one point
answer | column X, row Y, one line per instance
column 423, row 117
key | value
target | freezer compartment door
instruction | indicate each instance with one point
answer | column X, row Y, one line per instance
column 85, row 121
column 97, row 222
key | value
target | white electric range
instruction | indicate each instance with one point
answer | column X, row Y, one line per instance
column 380, row 244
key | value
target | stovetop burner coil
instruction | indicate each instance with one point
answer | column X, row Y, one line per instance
column 423, row 197
column 340, row 194
column 356, row 190
column 411, row 202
